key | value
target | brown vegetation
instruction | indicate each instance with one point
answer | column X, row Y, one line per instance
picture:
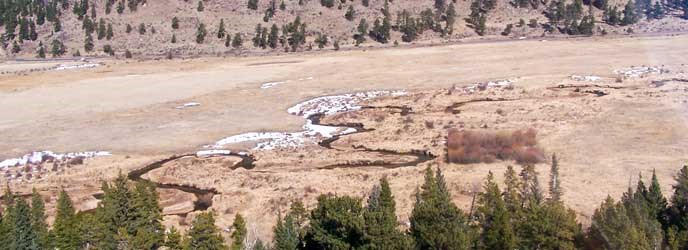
column 473, row 147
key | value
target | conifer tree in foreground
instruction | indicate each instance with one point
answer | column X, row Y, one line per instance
column 436, row 223
column 204, row 235
column 64, row 232
column 495, row 222
column 381, row 221
column 239, row 233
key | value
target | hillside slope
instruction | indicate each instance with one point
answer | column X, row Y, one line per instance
column 156, row 18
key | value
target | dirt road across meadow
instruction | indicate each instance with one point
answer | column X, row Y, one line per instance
column 129, row 107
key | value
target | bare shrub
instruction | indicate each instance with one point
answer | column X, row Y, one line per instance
column 473, row 147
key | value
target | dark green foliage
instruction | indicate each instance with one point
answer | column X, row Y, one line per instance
column 436, row 223
column 450, row 19
column 15, row 47
column 120, row 7
column 127, row 54
column 327, row 3
column 239, row 233
column 237, row 41
column 656, row 203
column 336, row 223
column 173, row 240
column 221, row 32
column 408, row 27
column 350, row 13
column 32, row 31
column 88, row 43
column 24, row 236
column 321, row 41
column 175, row 23
column 630, row 15
column 57, row 25
column 200, row 33
column 64, row 233
column 380, row 30
column 200, row 7
column 440, row 5
column 174, row 38
column 478, row 16
column 362, row 31
column 129, row 28
column 282, row 6
column 554, row 184
column 23, row 29
column 252, row 4
column 41, row 51
column 365, row 3
column 142, row 29
column 381, row 221
column 204, row 235
column 289, row 231
column 109, row 32
column 273, row 37
column 495, row 222
column 102, row 30
column 38, row 225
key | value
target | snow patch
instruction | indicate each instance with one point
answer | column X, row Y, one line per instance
column 76, row 66
column 327, row 105
column 586, row 78
column 188, row 105
column 640, row 71
column 41, row 156
column 268, row 85
column 213, row 152
column 499, row 84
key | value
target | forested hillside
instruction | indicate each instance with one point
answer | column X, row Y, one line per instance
column 55, row 28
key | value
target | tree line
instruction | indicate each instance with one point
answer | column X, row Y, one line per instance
column 521, row 215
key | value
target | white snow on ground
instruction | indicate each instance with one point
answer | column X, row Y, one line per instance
column 40, row 156
column 188, row 105
column 212, row 152
column 268, row 85
column 327, row 105
column 638, row 71
column 499, row 84
column 76, row 66
column 586, row 78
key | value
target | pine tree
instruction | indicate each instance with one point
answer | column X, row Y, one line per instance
column 200, row 33
column 239, row 233
column 146, row 217
column 110, row 33
column 57, row 25
column 679, row 201
column 450, row 19
column 128, row 29
column 253, row 4
column 41, row 51
column 57, row 49
column 436, row 223
column 511, row 194
column 174, row 38
column 24, row 236
column 88, row 43
column 630, row 15
column 336, row 223
column 530, row 190
column 38, row 225
column 381, row 220
column 200, row 7
column 175, row 23
column 23, row 29
column 173, row 239
column 287, row 235
column 221, row 30
column 64, row 233
column 350, row 13
column 142, row 29
column 32, row 31
column 115, row 214
column 204, row 235
column 101, row 29
column 657, row 204
column 554, row 183
column 273, row 37
column 237, row 41
column 282, row 6
column 15, row 47
column 494, row 219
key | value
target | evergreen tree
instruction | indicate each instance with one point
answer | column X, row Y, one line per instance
column 24, row 236
column 286, row 234
column 630, row 15
column 57, row 49
column 110, row 33
column 204, row 235
column 115, row 214
column 64, row 232
column 450, row 19
column 142, row 29
column 173, row 239
column 174, row 38
column 175, row 23
column 436, row 223
column 23, row 29
column 679, row 202
column 511, row 194
column 38, row 225
column 146, row 217
column 336, row 223
column 57, row 25
column 237, row 41
column 494, row 219
column 282, row 5
column 657, row 204
column 350, row 13
column 221, row 30
column 381, row 221
column 101, row 29
column 200, row 7
column 530, row 190
column 88, row 43
column 239, row 233
column 253, row 4
column 200, row 33
column 274, row 35
column 32, row 31
column 41, row 51
column 129, row 28
column 362, row 31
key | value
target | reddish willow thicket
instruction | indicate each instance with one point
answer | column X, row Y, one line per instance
column 474, row 147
